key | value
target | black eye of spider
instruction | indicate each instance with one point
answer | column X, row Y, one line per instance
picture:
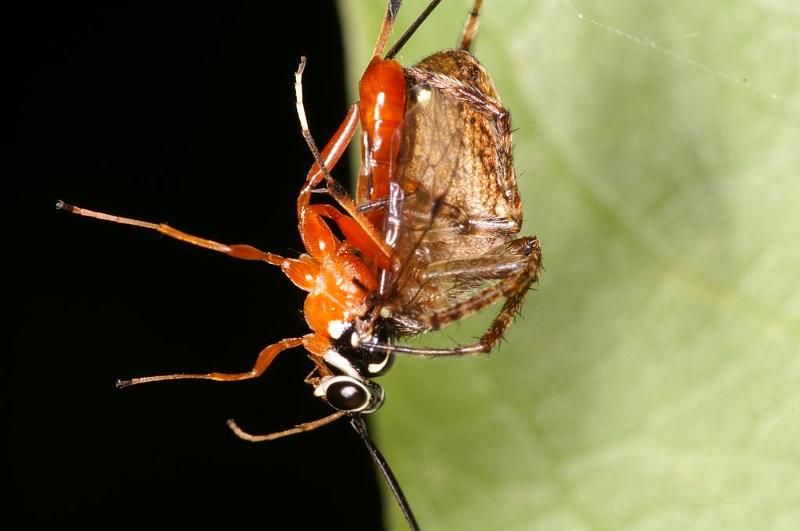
column 347, row 395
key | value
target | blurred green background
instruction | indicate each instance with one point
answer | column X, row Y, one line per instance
column 653, row 381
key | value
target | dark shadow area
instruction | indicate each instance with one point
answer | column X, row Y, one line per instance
column 186, row 116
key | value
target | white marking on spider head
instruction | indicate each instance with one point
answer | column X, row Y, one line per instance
column 375, row 368
column 335, row 359
column 386, row 312
column 336, row 328
column 423, row 95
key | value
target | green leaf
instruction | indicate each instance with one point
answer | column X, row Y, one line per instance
column 653, row 381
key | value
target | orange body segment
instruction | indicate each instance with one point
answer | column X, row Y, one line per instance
column 302, row 271
column 355, row 235
column 382, row 94
column 340, row 293
column 318, row 238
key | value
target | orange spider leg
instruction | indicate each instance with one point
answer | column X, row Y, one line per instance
column 301, row 271
column 262, row 362
column 333, row 150
column 243, row 252
column 354, row 234
column 370, row 231
column 314, row 343
column 317, row 236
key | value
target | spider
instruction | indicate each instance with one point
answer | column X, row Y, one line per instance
column 430, row 238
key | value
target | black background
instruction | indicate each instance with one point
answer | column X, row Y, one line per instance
column 186, row 116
